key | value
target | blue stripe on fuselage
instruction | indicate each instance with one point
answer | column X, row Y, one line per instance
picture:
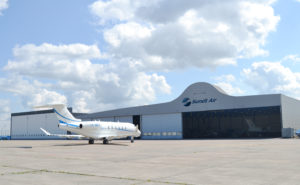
column 68, row 124
column 64, row 116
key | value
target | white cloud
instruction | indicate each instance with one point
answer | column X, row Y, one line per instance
column 4, row 117
column 230, row 89
column 67, row 75
column 273, row 77
column 294, row 58
column 126, row 32
column 227, row 78
column 3, row 5
column 57, row 62
column 142, row 37
column 32, row 93
column 164, row 35
column 229, row 84
column 44, row 96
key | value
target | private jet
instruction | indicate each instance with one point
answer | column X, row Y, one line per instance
column 91, row 130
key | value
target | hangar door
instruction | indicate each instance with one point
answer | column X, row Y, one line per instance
column 28, row 126
column 161, row 126
column 233, row 123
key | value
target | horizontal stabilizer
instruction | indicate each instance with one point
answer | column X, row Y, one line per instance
column 63, row 135
column 47, row 133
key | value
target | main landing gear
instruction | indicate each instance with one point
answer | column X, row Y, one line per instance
column 91, row 141
column 105, row 141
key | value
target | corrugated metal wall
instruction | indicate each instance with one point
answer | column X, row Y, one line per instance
column 161, row 126
column 290, row 109
column 28, row 126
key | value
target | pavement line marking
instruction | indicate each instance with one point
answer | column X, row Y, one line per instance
column 29, row 170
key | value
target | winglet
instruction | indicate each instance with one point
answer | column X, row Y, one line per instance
column 47, row 133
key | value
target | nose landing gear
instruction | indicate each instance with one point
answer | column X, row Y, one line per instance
column 132, row 139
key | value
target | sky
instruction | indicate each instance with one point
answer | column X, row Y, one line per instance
column 102, row 55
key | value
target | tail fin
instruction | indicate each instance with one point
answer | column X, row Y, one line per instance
column 62, row 113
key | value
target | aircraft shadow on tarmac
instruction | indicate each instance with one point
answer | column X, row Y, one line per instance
column 83, row 144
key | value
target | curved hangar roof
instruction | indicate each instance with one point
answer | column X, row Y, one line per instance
column 199, row 96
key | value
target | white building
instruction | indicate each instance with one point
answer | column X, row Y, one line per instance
column 201, row 111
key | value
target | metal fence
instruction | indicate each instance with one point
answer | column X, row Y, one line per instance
column 4, row 132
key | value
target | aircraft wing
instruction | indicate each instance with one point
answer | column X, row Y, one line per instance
column 63, row 135
column 110, row 136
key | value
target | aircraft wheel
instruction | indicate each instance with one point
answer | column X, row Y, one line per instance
column 91, row 141
column 132, row 140
column 105, row 141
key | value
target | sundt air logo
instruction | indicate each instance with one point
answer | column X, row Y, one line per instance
column 187, row 101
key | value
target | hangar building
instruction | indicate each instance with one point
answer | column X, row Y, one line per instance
column 201, row 111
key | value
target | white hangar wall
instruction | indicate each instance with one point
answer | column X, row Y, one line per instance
column 127, row 119
column 18, row 126
column 290, row 110
column 28, row 126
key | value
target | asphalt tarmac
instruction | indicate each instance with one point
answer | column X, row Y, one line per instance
column 250, row 161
